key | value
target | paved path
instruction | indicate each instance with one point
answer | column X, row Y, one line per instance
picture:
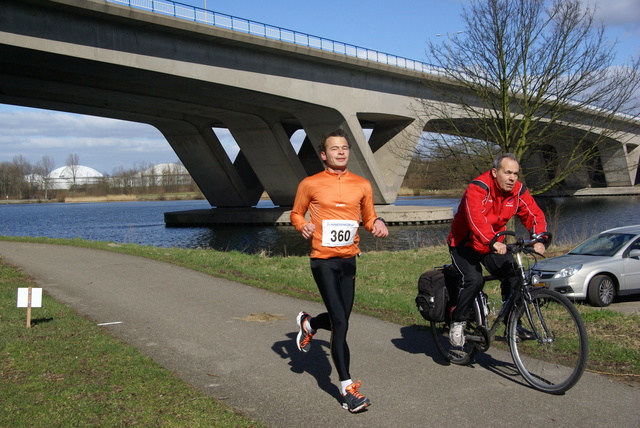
column 202, row 329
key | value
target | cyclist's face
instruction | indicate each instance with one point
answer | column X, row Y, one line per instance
column 507, row 175
column 336, row 154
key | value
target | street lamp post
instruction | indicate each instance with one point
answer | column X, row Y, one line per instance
column 449, row 34
column 449, row 41
column 205, row 11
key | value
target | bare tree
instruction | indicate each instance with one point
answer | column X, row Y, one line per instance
column 11, row 180
column 24, row 178
column 73, row 162
column 43, row 168
column 534, row 81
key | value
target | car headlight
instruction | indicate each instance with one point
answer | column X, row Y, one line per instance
column 568, row 271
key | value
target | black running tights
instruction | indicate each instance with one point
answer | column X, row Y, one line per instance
column 336, row 282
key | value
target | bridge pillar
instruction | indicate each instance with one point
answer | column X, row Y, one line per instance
column 393, row 143
column 195, row 143
column 614, row 165
column 631, row 153
column 382, row 159
column 270, row 155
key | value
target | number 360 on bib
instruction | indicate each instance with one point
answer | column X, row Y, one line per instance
column 338, row 233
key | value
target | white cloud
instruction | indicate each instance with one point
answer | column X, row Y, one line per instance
column 101, row 143
column 618, row 12
column 23, row 121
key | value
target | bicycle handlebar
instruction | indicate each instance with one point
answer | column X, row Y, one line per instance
column 522, row 245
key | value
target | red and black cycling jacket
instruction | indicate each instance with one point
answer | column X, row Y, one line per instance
column 485, row 210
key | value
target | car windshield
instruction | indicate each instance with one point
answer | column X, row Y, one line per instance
column 605, row 244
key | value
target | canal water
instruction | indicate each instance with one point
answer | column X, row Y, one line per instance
column 571, row 220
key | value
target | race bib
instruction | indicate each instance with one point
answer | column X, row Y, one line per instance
column 338, row 233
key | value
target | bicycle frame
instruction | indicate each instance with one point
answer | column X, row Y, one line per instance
column 483, row 343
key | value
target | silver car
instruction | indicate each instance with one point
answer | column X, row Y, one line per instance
column 603, row 266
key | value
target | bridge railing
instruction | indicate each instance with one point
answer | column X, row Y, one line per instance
column 193, row 13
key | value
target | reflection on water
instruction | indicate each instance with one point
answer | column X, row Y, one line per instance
column 575, row 219
column 571, row 220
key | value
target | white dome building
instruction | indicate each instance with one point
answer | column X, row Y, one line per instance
column 66, row 176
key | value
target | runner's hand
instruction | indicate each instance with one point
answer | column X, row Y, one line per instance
column 307, row 230
column 380, row 229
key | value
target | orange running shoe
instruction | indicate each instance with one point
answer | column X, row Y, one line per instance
column 353, row 400
column 304, row 335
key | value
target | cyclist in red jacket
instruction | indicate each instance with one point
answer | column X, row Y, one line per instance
column 489, row 202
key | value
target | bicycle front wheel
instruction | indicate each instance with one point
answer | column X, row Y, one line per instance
column 551, row 352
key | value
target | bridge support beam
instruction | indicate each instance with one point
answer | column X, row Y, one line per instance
column 614, row 165
column 270, row 155
column 203, row 155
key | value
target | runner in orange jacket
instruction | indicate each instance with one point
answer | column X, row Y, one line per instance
column 336, row 200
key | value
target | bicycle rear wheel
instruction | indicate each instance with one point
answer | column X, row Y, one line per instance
column 554, row 359
column 455, row 354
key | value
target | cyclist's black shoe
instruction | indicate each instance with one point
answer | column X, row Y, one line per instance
column 353, row 400
column 304, row 336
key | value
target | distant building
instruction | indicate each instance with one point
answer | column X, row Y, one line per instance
column 167, row 175
column 163, row 174
column 65, row 177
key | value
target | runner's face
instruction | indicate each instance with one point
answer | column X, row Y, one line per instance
column 336, row 154
column 507, row 175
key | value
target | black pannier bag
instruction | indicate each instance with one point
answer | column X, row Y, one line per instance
column 437, row 291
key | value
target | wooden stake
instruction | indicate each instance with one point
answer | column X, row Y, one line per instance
column 29, row 308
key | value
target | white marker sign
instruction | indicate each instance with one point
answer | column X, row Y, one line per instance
column 36, row 297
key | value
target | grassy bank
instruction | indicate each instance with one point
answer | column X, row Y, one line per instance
column 65, row 371
column 89, row 375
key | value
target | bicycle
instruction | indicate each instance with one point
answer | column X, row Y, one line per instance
column 553, row 354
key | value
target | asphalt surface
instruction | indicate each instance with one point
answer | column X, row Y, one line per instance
column 237, row 343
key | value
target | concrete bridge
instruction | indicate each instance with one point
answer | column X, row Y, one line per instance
column 185, row 78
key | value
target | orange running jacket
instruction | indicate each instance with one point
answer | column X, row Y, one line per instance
column 329, row 196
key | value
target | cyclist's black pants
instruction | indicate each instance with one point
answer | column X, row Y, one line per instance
column 336, row 281
column 469, row 264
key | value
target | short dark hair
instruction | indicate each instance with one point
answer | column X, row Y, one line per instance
column 497, row 161
column 337, row 133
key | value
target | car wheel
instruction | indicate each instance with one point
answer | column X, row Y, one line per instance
column 602, row 290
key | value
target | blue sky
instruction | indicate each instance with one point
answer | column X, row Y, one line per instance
column 403, row 29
